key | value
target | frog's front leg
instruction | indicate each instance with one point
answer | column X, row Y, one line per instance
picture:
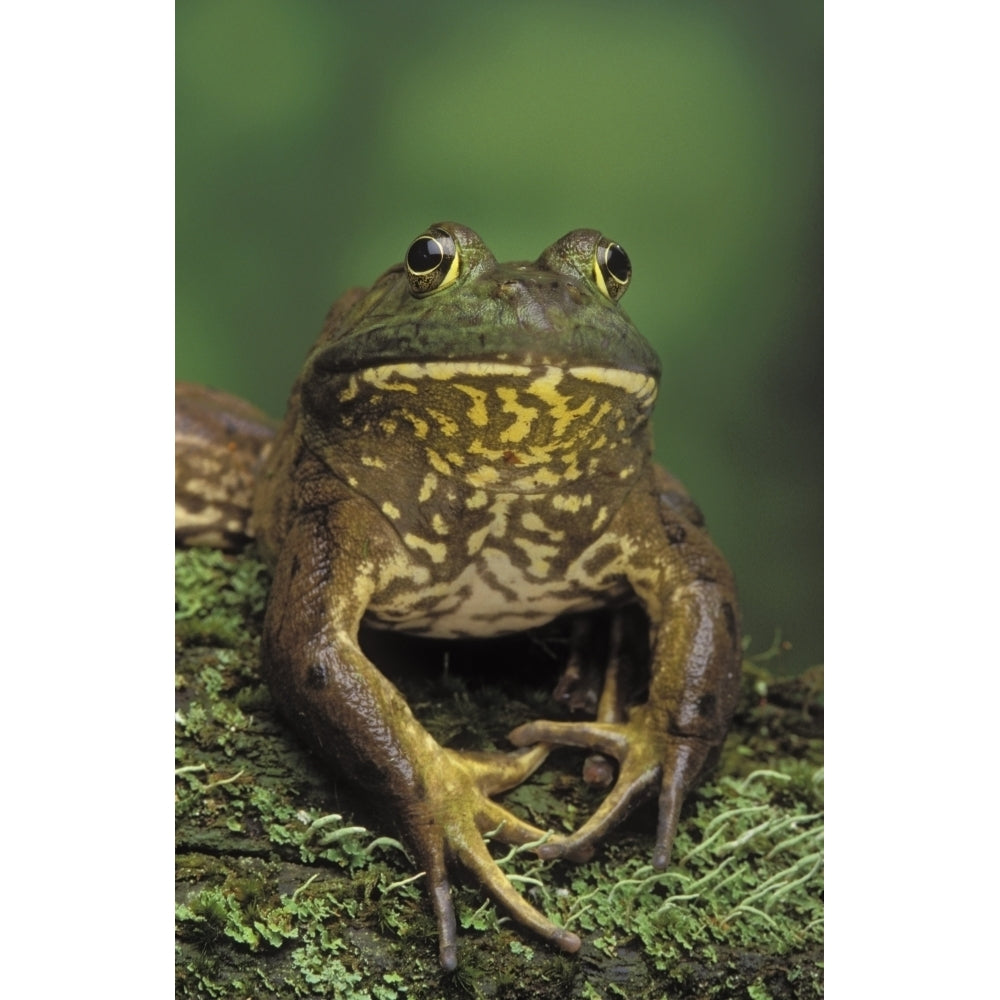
column 331, row 563
column 663, row 745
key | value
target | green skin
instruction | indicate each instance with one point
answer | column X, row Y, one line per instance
column 474, row 458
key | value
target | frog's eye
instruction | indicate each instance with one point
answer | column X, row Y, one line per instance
column 432, row 262
column 612, row 268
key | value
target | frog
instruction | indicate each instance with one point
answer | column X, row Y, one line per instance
column 467, row 454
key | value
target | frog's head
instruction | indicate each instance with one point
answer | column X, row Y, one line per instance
column 450, row 300
column 492, row 367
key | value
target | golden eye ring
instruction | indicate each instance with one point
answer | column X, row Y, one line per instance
column 612, row 268
column 432, row 262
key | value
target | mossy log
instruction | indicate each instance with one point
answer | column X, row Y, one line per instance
column 289, row 883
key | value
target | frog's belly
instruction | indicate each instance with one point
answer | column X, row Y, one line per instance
column 493, row 596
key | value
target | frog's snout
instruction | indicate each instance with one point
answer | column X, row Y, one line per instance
column 533, row 298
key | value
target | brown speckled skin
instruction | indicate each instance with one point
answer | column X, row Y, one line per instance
column 219, row 444
column 477, row 461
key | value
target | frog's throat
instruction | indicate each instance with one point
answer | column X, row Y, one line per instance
column 487, row 425
column 495, row 477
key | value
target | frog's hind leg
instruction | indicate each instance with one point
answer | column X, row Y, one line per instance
column 220, row 442
column 599, row 677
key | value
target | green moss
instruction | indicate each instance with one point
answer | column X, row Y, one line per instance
column 287, row 883
column 746, row 873
column 215, row 595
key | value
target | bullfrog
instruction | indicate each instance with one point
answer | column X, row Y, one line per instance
column 467, row 453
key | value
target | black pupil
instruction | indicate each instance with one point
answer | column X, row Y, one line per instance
column 424, row 255
column 618, row 264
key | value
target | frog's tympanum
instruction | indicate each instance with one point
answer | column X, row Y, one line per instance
column 467, row 453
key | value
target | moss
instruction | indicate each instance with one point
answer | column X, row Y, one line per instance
column 215, row 594
column 287, row 883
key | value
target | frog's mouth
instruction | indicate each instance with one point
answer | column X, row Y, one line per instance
column 494, row 424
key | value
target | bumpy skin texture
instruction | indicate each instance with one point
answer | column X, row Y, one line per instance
column 473, row 461
column 467, row 452
column 219, row 444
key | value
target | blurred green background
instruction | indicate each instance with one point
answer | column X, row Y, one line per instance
column 316, row 139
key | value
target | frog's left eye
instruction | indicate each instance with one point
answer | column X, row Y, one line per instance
column 612, row 268
column 432, row 262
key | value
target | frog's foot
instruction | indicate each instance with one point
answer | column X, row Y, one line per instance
column 447, row 823
column 650, row 762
